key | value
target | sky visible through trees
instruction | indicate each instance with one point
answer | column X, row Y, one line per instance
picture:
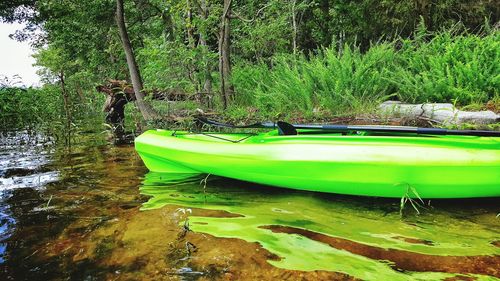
column 15, row 57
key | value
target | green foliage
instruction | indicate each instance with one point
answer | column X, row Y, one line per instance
column 449, row 68
column 28, row 107
column 24, row 108
column 14, row 10
column 446, row 68
column 332, row 81
column 367, row 21
column 264, row 31
column 342, row 64
column 182, row 69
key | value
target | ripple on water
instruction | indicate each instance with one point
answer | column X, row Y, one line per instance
column 84, row 219
column 23, row 160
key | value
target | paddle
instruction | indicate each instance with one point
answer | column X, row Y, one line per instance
column 348, row 128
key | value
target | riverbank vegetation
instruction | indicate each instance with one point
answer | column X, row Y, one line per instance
column 302, row 60
column 440, row 67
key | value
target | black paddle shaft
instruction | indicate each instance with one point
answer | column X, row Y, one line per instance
column 396, row 129
column 348, row 128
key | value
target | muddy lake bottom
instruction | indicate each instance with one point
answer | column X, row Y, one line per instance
column 92, row 211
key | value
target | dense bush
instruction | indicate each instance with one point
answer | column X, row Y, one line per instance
column 449, row 68
column 444, row 67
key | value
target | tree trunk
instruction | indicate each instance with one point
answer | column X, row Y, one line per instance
column 65, row 96
column 79, row 91
column 294, row 26
column 324, row 26
column 192, row 70
column 224, row 55
column 67, row 108
column 147, row 112
column 207, row 85
column 189, row 24
column 169, row 30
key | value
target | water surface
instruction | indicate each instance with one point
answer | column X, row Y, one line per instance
column 93, row 212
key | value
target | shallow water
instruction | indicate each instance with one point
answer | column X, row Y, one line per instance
column 93, row 212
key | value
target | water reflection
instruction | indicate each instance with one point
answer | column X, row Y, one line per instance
column 50, row 192
column 78, row 213
column 6, row 224
column 22, row 158
column 361, row 237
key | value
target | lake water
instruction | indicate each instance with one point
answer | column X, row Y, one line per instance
column 92, row 211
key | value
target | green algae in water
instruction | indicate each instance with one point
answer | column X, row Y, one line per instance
column 350, row 222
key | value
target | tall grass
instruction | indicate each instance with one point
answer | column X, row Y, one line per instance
column 27, row 107
column 448, row 67
column 43, row 108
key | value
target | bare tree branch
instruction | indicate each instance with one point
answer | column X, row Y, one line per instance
column 235, row 15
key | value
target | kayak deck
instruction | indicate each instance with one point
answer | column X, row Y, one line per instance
column 368, row 164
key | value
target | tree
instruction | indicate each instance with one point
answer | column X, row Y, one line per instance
column 184, row 44
column 207, row 85
column 55, row 64
column 16, row 10
column 226, row 90
column 146, row 110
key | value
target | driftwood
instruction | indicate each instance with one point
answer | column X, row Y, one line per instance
column 119, row 93
column 441, row 113
column 116, row 87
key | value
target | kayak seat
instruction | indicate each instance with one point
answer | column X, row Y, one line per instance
column 286, row 129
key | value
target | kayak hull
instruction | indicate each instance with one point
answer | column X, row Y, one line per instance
column 366, row 165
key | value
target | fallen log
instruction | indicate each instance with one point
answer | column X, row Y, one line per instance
column 119, row 93
column 441, row 113
column 115, row 87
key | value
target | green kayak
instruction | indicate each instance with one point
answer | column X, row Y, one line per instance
column 360, row 163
